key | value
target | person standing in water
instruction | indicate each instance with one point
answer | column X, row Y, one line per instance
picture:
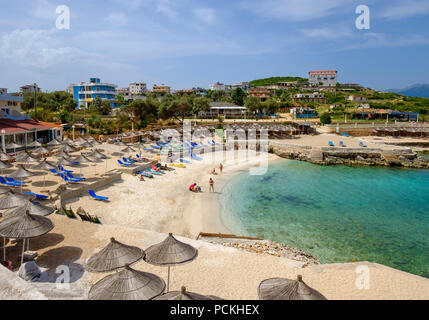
column 211, row 182
column 220, row 167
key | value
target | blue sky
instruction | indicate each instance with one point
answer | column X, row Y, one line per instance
column 187, row 43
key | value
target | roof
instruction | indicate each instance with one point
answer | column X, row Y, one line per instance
column 324, row 71
column 21, row 126
column 9, row 97
column 225, row 106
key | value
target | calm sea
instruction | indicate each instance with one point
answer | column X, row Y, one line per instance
column 339, row 214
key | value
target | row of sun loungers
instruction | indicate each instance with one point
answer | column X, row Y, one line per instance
column 331, row 144
column 84, row 217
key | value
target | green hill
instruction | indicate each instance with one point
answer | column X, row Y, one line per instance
column 274, row 80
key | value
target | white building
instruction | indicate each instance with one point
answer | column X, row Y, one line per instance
column 242, row 85
column 219, row 87
column 30, row 88
column 323, row 78
column 357, row 98
column 137, row 88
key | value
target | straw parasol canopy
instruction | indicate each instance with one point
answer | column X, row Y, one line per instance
column 285, row 289
column 5, row 156
column 13, row 145
column 24, row 226
column 35, row 209
column 129, row 284
column 35, row 144
column 14, row 199
column 26, row 157
column 21, row 173
column 97, row 155
column 83, row 159
column 65, row 161
column 4, row 165
column 170, row 252
column 185, row 295
column 54, row 143
column 128, row 149
column 44, row 165
column 86, row 144
column 68, row 148
column 41, row 150
column 114, row 256
column 4, row 189
column 62, row 154
column 79, row 140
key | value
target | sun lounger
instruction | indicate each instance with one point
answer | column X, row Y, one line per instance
column 195, row 157
column 69, row 213
column 83, row 217
column 155, row 172
column 13, row 184
column 145, row 174
column 61, row 168
column 11, row 180
column 73, row 177
column 331, row 143
column 93, row 195
column 124, row 164
column 344, row 134
column 155, row 147
column 67, row 179
column 362, row 144
column 128, row 160
column 185, row 161
column 342, row 144
column 38, row 196
column 55, row 172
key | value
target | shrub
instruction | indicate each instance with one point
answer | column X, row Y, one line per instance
column 325, row 118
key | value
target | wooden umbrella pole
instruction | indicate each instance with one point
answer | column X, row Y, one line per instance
column 4, row 248
column 168, row 280
column 22, row 254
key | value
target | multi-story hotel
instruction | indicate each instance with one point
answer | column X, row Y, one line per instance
column 30, row 88
column 324, row 78
column 162, row 90
column 86, row 92
column 137, row 88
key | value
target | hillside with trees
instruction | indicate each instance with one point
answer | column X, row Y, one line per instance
column 274, row 80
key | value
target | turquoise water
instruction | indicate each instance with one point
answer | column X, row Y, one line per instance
column 338, row 214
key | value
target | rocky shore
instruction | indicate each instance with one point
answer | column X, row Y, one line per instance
column 351, row 156
column 271, row 248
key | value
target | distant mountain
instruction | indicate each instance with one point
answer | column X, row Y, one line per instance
column 417, row 90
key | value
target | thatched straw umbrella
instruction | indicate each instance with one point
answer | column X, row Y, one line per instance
column 41, row 151
column 5, row 156
column 79, row 141
column 120, row 143
column 97, row 155
column 114, row 256
column 54, row 143
column 128, row 149
column 21, row 173
column 285, row 289
column 25, row 226
column 14, row 199
column 68, row 148
column 185, row 295
column 13, row 146
column 66, row 162
column 87, row 145
column 129, row 284
column 4, row 189
column 170, row 252
column 35, row 144
column 4, row 165
column 62, row 154
column 25, row 157
column 82, row 159
column 45, row 166
column 32, row 208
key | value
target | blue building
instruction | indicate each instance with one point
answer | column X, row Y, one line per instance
column 84, row 93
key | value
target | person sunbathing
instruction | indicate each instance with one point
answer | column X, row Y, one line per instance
column 213, row 171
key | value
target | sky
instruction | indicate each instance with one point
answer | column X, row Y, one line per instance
column 193, row 43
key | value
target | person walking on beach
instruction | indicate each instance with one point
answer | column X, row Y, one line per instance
column 211, row 182
column 220, row 167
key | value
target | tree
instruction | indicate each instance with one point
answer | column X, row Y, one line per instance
column 270, row 106
column 175, row 108
column 200, row 104
column 253, row 104
column 238, row 95
column 325, row 118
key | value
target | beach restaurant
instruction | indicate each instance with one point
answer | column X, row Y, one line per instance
column 24, row 132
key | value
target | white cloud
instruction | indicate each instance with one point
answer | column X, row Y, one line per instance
column 206, row 15
column 327, row 33
column 37, row 49
column 406, row 9
column 166, row 7
column 117, row 18
column 297, row 10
